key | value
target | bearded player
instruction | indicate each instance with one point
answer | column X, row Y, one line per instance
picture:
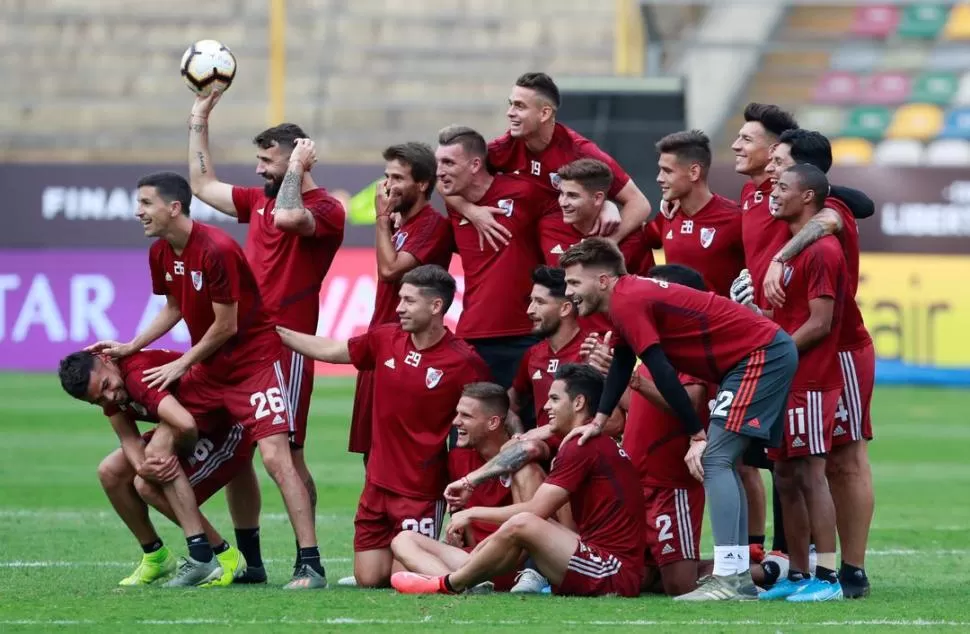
column 601, row 487
column 714, row 340
column 484, row 427
column 145, row 467
column 423, row 236
column 420, row 369
column 536, row 146
column 235, row 360
column 849, row 472
column 295, row 230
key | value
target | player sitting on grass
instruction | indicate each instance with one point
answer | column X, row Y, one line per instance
column 145, row 468
column 484, row 427
column 603, row 489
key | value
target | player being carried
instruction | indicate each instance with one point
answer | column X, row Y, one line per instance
column 420, row 369
column 422, row 236
column 536, row 146
column 235, row 362
column 295, row 230
column 601, row 486
column 812, row 313
column 483, row 428
column 670, row 326
column 213, row 450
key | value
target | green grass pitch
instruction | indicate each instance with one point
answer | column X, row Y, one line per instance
column 62, row 551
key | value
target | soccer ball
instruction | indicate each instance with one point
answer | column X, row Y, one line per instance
column 208, row 65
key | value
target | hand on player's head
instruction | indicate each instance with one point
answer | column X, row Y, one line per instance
column 305, row 153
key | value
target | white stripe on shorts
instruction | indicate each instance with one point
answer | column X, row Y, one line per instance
column 853, row 399
column 296, row 381
column 685, row 528
column 814, row 415
column 281, row 379
column 219, row 457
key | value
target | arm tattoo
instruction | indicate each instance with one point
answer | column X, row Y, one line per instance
column 813, row 231
column 508, row 461
column 289, row 195
column 202, row 166
column 199, row 128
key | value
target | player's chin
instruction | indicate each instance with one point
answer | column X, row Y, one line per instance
column 462, row 440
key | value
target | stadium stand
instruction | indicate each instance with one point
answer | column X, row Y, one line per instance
column 110, row 89
column 889, row 84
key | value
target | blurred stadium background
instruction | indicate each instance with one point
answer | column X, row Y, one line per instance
column 93, row 100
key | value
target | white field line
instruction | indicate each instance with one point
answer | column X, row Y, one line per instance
column 428, row 620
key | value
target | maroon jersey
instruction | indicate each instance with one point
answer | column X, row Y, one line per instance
column 492, row 493
column 557, row 237
column 288, row 267
column 212, row 268
column 427, row 236
column 143, row 401
column 763, row 235
column 703, row 334
column 854, row 334
column 818, row 271
column 498, row 283
column 605, row 496
column 655, row 440
column 537, row 371
column 708, row 242
column 415, row 395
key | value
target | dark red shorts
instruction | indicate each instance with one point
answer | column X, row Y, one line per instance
column 594, row 572
column 674, row 518
column 261, row 402
column 217, row 458
column 382, row 514
column 853, row 419
column 808, row 425
column 360, row 420
column 298, row 371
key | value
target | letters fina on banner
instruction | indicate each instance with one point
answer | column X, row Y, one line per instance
column 918, row 210
column 55, row 302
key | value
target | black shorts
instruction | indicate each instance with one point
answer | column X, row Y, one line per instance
column 502, row 355
column 753, row 396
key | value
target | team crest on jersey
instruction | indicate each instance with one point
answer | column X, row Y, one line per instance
column 789, row 271
column 506, row 204
column 555, row 179
column 399, row 239
column 433, row 377
column 197, row 280
column 707, row 236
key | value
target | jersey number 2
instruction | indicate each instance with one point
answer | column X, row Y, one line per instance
column 270, row 401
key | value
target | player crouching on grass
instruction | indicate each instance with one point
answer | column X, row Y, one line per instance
column 601, row 486
column 484, row 428
column 145, row 468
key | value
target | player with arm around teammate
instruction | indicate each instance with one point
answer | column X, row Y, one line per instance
column 483, row 429
column 603, row 490
column 146, row 468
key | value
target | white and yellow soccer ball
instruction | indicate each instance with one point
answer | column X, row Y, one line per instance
column 207, row 65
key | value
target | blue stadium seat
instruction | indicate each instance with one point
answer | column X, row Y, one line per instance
column 956, row 124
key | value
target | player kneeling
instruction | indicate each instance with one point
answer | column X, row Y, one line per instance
column 146, row 469
column 603, row 490
column 483, row 428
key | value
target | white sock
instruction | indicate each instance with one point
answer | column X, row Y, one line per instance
column 725, row 560
column 744, row 559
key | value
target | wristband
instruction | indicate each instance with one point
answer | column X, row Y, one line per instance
column 467, row 484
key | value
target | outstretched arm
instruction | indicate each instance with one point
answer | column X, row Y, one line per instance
column 319, row 348
column 202, row 178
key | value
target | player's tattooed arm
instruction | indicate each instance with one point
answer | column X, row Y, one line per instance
column 205, row 186
column 290, row 214
column 824, row 223
column 512, row 458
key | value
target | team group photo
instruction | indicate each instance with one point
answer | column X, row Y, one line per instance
column 588, row 359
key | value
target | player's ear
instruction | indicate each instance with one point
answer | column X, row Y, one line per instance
column 599, row 198
column 695, row 172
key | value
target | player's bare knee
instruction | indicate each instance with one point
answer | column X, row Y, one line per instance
column 679, row 585
column 403, row 541
column 372, row 578
column 115, row 471
column 146, row 490
column 785, row 477
column 521, row 524
column 276, row 457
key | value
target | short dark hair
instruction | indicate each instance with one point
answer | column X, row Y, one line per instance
column 74, row 372
column 811, row 178
column 595, row 252
column 809, row 146
column 542, row 84
column 678, row 274
column 433, row 280
column 492, row 396
column 419, row 157
column 582, row 379
column 772, row 118
column 171, row 187
column 551, row 278
column 470, row 140
column 689, row 146
column 283, row 135
column 593, row 175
